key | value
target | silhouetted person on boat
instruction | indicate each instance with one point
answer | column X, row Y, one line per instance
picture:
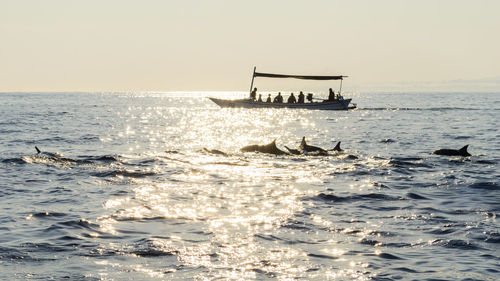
column 310, row 97
column 291, row 99
column 278, row 98
column 301, row 97
column 253, row 94
column 260, row 98
column 331, row 96
column 268, row 98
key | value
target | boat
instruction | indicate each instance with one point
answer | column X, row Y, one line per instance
column 339, row 103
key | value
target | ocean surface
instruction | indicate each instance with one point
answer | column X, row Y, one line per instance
column 124, row 189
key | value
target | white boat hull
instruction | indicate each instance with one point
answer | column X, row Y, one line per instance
column 249, row 103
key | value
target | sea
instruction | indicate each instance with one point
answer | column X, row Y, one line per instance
column 153, row 186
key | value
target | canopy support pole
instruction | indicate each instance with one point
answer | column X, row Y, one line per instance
column 340, row 91
column 253, row 76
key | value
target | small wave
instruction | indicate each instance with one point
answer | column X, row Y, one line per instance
column 270, row 237
column 390, row 108
column 485, row 185
column 297, row 225
column 322, row 256
column 132, row 218
column 488, row 237
column 462, row 137
column 153, row 253
column 45, row 247
column 172, row 152
column 442, row 231
column 104, row 158
column 90, row 138
column 81, row 223
column 227, row 163
column 146, row 162
column 486, row 162
column 370, row 242
column 387, row 141
column 405, row 269
column 495, row 240
column 412, row 195
column 214, row 151
column 419, row 108
column 48, row 215
column 14, row 161
column 15, row 255
column 389, row 256
column 123, row 173
column 408, row 162
column 368, row 196
column 456, row 244
column 148, row 248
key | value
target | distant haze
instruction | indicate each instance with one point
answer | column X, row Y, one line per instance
column 65, row 45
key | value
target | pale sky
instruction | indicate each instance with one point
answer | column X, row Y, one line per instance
column 124, row 45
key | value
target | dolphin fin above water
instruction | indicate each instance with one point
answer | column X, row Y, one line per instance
column 38, row 151
column 305, row 148
column 337, row 147
column 270, row 148
column 453, row 152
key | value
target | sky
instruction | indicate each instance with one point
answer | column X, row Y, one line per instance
column 191, row 45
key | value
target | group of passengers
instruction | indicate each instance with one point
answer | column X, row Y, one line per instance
column 291, row 98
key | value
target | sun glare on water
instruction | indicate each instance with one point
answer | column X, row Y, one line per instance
column 234, row 205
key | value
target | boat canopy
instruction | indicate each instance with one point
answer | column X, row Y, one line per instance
column 305, row 77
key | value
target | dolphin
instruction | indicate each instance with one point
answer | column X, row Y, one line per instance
column 268, row 148
column 293, row 151
column 453, row 152
column 56, row 156
column 336, row 148
column 47, row 154
column 305, row 148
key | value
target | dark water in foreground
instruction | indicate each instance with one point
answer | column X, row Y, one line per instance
column 126, row 191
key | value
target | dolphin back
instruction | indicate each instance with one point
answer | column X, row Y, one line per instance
column 464, row 151
column 250, row 148
column 453, row 152
column 292, row 151
column 270, row 148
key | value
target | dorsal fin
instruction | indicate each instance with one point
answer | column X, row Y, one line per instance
column 303, row 143
column 37, row 150
column 273, row 143
column 337, row 147
column 464, row 149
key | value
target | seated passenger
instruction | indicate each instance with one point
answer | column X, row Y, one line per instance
column 291, row 99
column 331, row 96
column 260, row 98
column 268, row 98
column 301, row 97
column 278, row 98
